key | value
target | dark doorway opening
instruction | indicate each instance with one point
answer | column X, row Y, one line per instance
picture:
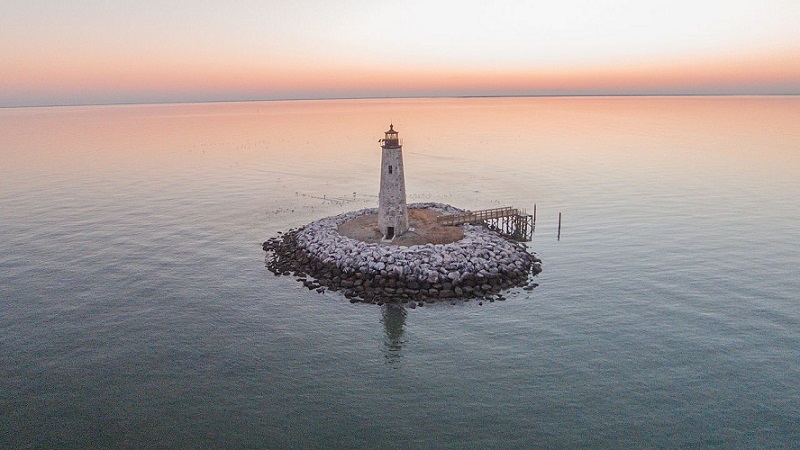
column 389, row 232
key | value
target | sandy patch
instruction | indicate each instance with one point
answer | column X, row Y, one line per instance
column 423, row 229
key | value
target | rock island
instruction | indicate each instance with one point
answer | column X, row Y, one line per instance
column 408, row 254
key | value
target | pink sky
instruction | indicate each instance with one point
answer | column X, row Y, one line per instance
column 94, row 52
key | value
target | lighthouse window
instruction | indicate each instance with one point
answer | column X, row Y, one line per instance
column 390, row 169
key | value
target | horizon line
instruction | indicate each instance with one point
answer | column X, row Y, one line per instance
column 409, row 97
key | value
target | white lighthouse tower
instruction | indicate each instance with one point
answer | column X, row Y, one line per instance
column 392, row 210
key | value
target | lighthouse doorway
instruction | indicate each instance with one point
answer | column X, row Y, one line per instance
column 389, row 233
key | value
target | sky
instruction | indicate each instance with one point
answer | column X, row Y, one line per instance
column 102, row 52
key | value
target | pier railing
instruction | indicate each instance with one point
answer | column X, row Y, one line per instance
column 509, row 221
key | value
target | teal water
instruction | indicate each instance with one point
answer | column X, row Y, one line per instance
column 137, row 311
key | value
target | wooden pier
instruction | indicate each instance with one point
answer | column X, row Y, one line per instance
column 512, row 222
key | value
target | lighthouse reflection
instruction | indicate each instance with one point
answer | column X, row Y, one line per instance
column 394, row 319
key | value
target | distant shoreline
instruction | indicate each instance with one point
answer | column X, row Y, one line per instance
column 200, row 102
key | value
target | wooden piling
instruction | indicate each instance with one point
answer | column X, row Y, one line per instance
column 559, row 226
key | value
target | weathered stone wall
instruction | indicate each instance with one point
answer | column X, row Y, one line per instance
column 479, row 266
column 392, row 208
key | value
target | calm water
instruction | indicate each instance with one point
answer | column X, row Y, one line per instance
column 136, row 310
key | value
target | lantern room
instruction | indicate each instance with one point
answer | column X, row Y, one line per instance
column 390, row 139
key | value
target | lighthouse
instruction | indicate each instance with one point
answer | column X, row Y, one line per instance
column 392, row 210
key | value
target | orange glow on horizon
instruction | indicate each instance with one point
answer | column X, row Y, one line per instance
column 73, row 53
column 779, row 71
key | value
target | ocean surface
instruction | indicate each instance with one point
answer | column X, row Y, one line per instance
column 136, row 310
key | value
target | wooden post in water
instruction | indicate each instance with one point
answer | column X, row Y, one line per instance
column 534, row 214
column 559, row 226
